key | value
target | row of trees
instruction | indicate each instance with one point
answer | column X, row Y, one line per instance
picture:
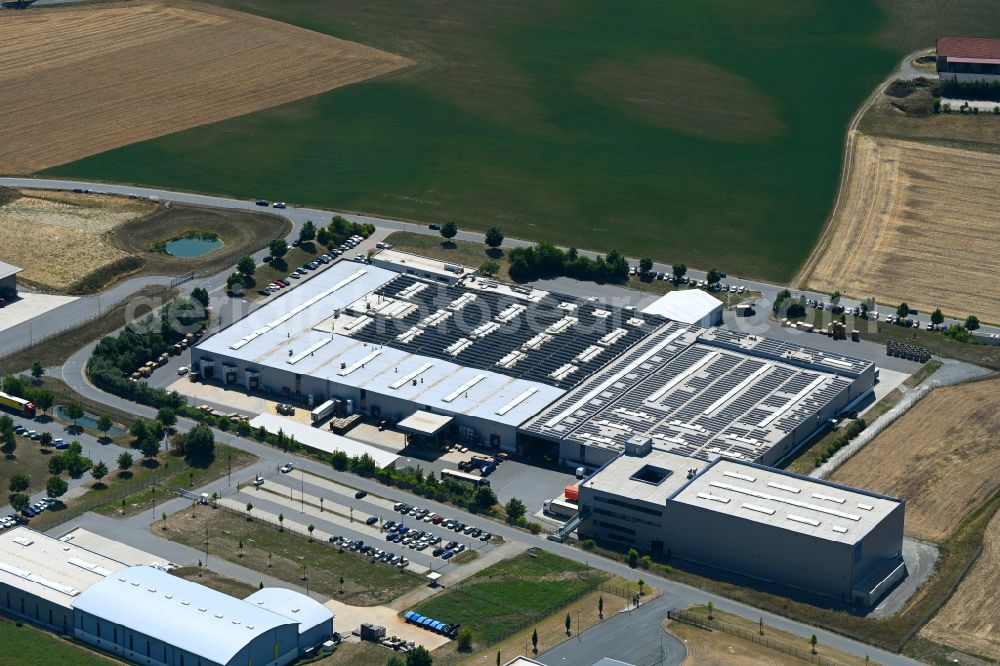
column 546, row 260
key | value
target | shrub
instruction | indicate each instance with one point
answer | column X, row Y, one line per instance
column 588, row 544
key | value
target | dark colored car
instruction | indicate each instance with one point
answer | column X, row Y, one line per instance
column 359, row 494
column 371, row 521
column 434, row 227
column 263, row 202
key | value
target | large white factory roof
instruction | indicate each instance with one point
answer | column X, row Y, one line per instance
column 293, row 333
column 192, row 617
column 322, row 440
column 48, row 568
column 787, row 501
column 650, row 478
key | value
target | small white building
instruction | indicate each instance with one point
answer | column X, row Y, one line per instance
column 8, row 280
column 688, row 306
column 315, row 620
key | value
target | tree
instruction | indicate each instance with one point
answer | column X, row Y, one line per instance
column 903, row 310
column 835, row 297
column 19, row 501
column 515, row 509
column 157, row 430
column 37, row 369
column 812, row 643
column 600, row 607
column 395, row 660
column 149, row 448
column 56, row 486
column 139, row 429
column 641, row 583
column 419, row 656
column 342, row 578
column 937, row 317
column 99, row 471
column 278, row 248
column 307, row 232
column 249, row 509
column 247, row 266
column 45, row 439
column 73, row 412
column 645, row 266
column 489, row 268
column 124, row 461
column 449, row 230
column 713, row 276
column 167, row 416
column 200, row 294
column 19, row 483
column 9, row 444
column 494, row 237
column 464, row 639
column 710, row 606
column 485, row 497
column 971, row 323
column 632, row 557
column 104, row 424
column 323, row 236
column 198, row 443
column 534, row 641
column 311, row 528
column 44, row 400
column 680, row 270
column 568, row 623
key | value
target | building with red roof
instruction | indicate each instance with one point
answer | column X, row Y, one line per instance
column 967, row 59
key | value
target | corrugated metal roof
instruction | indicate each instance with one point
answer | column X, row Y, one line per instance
column 293, row 605
column 184, row 614
column 969, row 47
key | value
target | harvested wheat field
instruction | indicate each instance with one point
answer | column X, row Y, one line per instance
column 942, row 456
column 58, row 237
column 970, row 621
column 82, row 80
column 918, row 223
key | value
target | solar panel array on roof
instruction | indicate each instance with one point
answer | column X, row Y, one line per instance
column 697, row 400
column 537, row 341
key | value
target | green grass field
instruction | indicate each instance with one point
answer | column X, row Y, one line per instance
column 706, row 132
column 29, row 646
column 503, row 597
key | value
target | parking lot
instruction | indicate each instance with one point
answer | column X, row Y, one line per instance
column 359, row 521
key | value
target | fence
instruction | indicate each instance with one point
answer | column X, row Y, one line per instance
column 755, row 637
column 112, row 495
column 881, row 423
column 104, row 309
column 181, row 279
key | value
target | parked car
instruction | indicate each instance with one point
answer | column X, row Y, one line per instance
column 183, row 370
column 263, row 202
column 279, row 204
column 434, row 227
column 371, row 520
column 360, row 494
column 287, row 467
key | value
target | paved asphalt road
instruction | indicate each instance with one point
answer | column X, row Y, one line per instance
column 299, row 215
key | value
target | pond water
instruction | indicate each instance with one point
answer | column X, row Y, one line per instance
column 87, row 421
column 187, row 247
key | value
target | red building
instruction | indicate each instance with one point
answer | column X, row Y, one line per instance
column 968, row 59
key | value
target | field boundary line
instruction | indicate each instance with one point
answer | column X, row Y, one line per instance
column 884, row 421
column 846, row 173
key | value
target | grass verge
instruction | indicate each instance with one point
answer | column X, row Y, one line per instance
column 216, row 581
column 509, row 595
column 26, row 645
column 287, row 556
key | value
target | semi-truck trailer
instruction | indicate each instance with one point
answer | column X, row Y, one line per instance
column 20, row 405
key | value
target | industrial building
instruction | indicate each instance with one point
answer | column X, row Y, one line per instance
column 756, row 521
column 8, row 280
column 968, row 59
column 515, row 368
column 146, row 615
column 688, row 306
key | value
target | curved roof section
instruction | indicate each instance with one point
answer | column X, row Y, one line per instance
column 292, row 605
column 187, row 615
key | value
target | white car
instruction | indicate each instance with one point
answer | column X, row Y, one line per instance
column 183, row 370
column 286, row 468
